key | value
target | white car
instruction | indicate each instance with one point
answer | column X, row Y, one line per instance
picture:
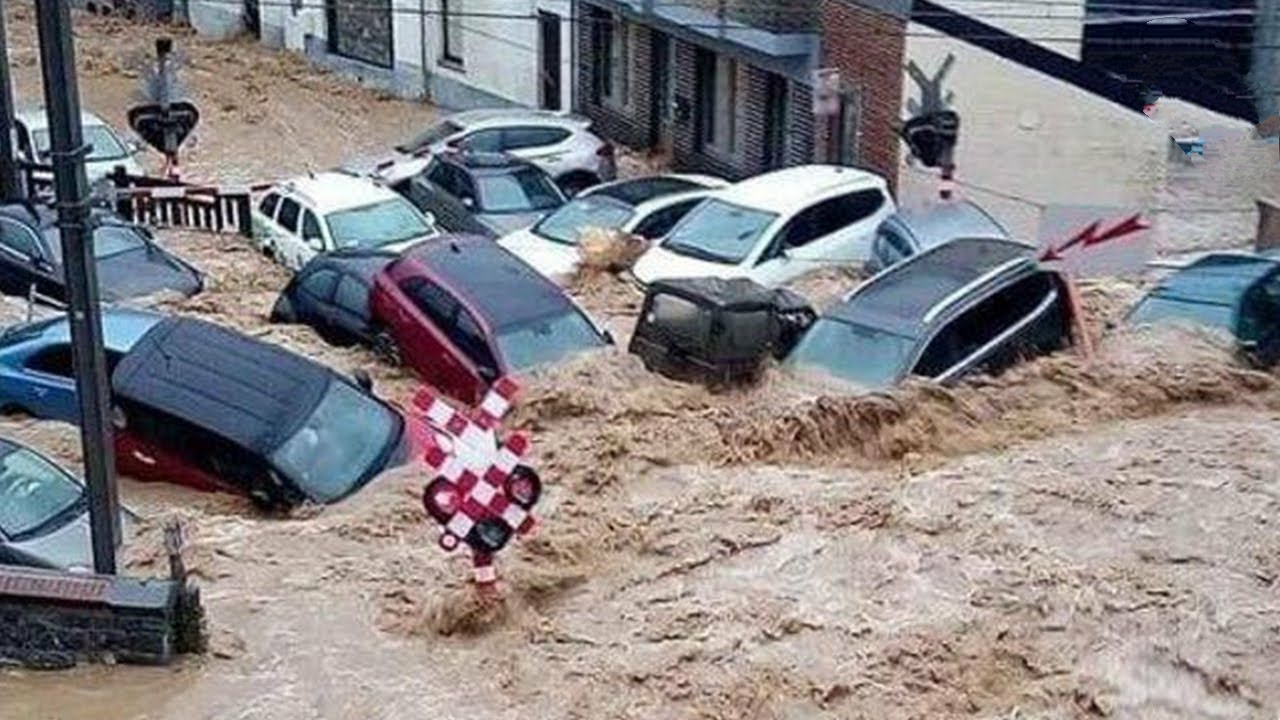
column 298, row 219
column 31, row 137
column 774, row 227
column 647, row 206
column 560, row 143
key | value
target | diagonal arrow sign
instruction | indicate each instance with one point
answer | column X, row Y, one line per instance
column 1090, row 236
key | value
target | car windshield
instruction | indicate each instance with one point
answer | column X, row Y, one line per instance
column 575, row 217
column 372, row 226
column 719, row 232
column 524, row 190
column 337, row 446
column 106, row 146
column 856, row 353
column 538, row 342
column 34, row 493
column 108, row 240
column 1156, row 308
column 432, row 135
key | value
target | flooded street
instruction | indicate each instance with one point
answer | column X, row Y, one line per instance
column 1077, row 538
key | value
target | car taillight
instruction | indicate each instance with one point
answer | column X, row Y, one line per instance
column 605, row 150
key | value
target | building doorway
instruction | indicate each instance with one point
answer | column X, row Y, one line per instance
column 549, row 67
column 662, row 97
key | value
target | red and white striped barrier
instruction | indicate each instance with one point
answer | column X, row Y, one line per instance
column 481, row 495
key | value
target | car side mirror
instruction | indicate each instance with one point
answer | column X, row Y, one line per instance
column 315, row 244
column 362, row 379
column 132, row 147
column 469, row 203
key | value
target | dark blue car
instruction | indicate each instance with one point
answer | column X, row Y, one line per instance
column 35, row 361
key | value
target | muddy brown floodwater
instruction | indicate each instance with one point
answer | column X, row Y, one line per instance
column 1075, row 539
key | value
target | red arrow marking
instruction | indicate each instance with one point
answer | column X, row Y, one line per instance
column 1089, row 237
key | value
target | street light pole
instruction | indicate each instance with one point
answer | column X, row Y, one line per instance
column 10, row 182
column 68, row 151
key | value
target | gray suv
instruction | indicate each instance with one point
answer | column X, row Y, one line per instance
column 973, row 305
column 908, row 232
column 482, row 193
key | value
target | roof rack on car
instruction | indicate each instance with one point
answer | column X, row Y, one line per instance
column 961, row 292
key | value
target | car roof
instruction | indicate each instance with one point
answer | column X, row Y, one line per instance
column 250, row 392
column 497, row 284
column 336, row 190
column 35, row 118
column 1221, row 278
column 935, row 224
column 478, row 119
column 899, row 300
column 121, row 328
column 639, row 190
column 362, row 262
column 792, row 189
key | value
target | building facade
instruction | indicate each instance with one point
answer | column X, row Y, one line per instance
column 459, row 54
column 723, row 87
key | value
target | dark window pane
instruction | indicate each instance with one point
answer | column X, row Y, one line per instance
column 55, row 360
column 18, row 237
column 289, row 211
column 320, row 284
column 269, row 204
column 353, row 296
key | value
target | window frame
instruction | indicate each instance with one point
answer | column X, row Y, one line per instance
column 451, row 33
column 39, row 252
column 297, row 219
column 308, row 214
column 274, row 197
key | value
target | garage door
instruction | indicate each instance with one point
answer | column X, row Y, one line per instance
column 361, row 30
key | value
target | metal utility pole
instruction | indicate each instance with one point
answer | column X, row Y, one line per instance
column 68, row 151
column 11, row 187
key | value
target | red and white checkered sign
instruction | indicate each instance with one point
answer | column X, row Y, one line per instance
column 473, row 469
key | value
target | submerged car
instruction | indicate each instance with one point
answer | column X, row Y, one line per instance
column 973, row 305
column 207, row 407
column 128, row 261
column 1236, row 292
column 331, row 294
column 463, row 312
column 301, row 218
column 648, row 207
column 44, row 512
column 107, row 150
column 774, row 227
column 908, row 232
column 482, row 193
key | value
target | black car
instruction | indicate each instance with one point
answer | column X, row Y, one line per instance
column 331, row 294
column 129, row 262
column 969, row 305
column 486, row 194
column 203, row 405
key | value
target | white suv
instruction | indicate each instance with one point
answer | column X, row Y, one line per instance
column 560, row 143
column 774, row 227
column 303, row 217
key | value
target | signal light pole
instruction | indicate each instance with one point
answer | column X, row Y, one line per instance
column 71, row 189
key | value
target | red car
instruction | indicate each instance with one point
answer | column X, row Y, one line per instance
column 462, row 311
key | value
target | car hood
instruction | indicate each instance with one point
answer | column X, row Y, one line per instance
column 71, row 546
column 505, row 223
column 138, row 272
column 659, row 263
column 554, row 260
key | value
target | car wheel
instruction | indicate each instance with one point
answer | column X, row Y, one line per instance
column 387, row 349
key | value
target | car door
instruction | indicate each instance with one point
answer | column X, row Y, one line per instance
column 265, row 228
column 351, row 307
column 427, row 347
column 288, row 244
column 312, row 239
column 832, row 231
column 1022, row 320
column 315, row 300
column 50, row 390
column 25, row 262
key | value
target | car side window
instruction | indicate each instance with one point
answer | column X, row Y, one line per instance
column 353, row 296
column 657, row 225
column 468, row 336
column 289, row 211
column 831, row 216
column 982, row 323
column 17, row 237
column 464, row 187
column 269, row 203
column 439, row 175
column 520, row 138
column 483, row 141
column 320, row 284
column 310, row 227
column 53, row 360
column 451, row 318
column 438, row 305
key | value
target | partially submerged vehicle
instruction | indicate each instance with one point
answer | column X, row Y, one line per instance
column 44, row 512
column 911, row 231
column 1235, row 292
column 973, row 305
column 331, row 294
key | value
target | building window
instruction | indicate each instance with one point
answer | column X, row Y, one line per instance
column 717, row 86
column 451, row 31
column 611, row 48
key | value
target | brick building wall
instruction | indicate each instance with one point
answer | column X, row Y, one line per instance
column 628, row 124
column 868, row 48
